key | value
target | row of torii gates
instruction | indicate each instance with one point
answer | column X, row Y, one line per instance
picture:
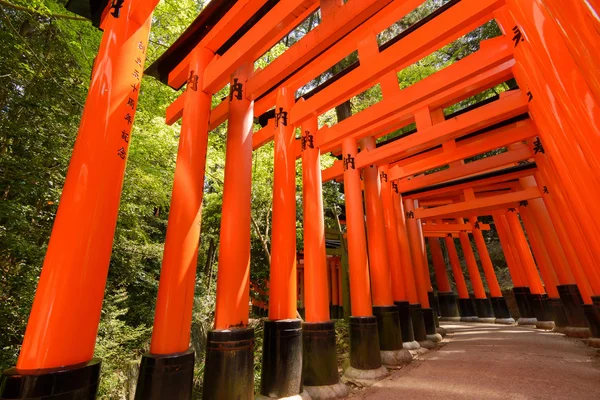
column 548, row 175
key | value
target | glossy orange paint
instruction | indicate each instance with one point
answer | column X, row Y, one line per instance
column 579, row 25
column 486, row 262
column 439, row 264
column 459, row 278
column 360, row 285
column 315, row 268
column 524, row 253
column 66, row 309
column 282, row 300
column 514, row 267
column 391, row 237
column 540, row 252
column 547, row 235
column 173, row 315
column 472, row 268
column 381, row 278
column 233, row 275
column 412, row 227
column 408, row 275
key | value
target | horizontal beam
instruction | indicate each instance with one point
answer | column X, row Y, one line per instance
column 493, row 140
column 450, row 25
column 445, row 228
column 498, row 181
column 486, row 164
column 273, row 26
column 472, row 75
column 478, row 206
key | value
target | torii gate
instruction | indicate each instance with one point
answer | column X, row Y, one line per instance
column 547, row 46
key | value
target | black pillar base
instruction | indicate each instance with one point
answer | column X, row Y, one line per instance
column 319, row 357
column 364, row 343
column 166, row 376
column 500, row 307
column 333, row 311
column 559, row 314
column 467, row 308
column 282, row 358
column 541, row 309
column 484, row 308
column 448, row 305
column 429, row 320
column 433, row 302
column 592, row 313
column 229, row 365
column 76, row 382
column 388, row 327
column 406, row 324
column 522, row 296
column 416, row 314
column 573, row 303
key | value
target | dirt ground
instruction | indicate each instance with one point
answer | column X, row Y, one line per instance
column 486, row 361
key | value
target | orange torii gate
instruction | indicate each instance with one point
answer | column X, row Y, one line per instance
column 551, row 118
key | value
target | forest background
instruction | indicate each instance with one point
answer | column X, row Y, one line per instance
column 46, row 57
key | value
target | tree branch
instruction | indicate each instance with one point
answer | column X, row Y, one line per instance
column 55, row 16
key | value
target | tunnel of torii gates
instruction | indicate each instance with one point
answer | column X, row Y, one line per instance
column 546, row 179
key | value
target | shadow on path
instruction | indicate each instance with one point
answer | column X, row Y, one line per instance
column 486, row 361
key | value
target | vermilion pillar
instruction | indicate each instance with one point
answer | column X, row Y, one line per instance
column 173, row 315
column 378, row 258
column 360, row 283
column 364, row 337
column 391, row 237
column 509, row 250
column 229, row 348
column 282, row 344
column 441, row 275
column 388, row 321
column 233, row 278
column 483, row 305
column 407, row 308
column 319, row 341
column 448, row 306
column 315, row 265
column 484, row 257
column 459, row 278
column 524, row 253
column 282, row 296
column 408, row 273
column 62, row 326
column 422, row 281
column 416, row 252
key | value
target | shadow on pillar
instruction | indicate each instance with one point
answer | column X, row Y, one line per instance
column 448, row 306
column 501, row 311
column 78, row 382
column 406, row 325
column 542, row 311
column 559, row 315
column 319, row 361
column 282, row 359
column 434, row 303
column 467, row 310
column 592, row 313
column 523, row 299
column 391, row 347
column 484, row 311
column 365, row 357
column 573, row 303
column 229, row 367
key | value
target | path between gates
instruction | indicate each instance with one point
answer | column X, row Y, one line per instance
column 486, row 361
